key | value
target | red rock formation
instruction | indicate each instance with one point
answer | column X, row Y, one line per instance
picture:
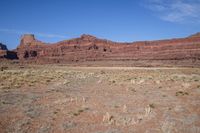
column 90, row 48
column 195, row 35
column 29, row 47
column 6, row 54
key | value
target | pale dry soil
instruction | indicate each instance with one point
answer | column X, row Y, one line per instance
column 60, row 99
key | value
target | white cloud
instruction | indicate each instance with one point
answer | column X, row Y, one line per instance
column 175, row 10
column 13, row 31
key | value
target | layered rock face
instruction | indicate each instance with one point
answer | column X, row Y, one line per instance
column 27, row 39
column 90, row 48
column 29, row 47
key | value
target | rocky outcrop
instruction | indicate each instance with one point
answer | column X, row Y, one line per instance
column 195, row 35
column 90, row 48
column 29, row 47
column 29, row 40
column 3, row 47
column 6, row 54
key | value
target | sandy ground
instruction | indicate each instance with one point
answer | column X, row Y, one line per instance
column 60, row 99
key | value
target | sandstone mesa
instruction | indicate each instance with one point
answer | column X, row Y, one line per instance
column 90, row 48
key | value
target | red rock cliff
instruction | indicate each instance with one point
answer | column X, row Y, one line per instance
column 90, row 48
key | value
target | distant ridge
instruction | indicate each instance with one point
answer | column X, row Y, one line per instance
column 195, row 35
column 90, row 48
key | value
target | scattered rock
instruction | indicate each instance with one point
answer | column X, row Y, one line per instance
column 125, row 109
column 107, row 118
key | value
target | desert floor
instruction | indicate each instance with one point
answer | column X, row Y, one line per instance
column 63, row 99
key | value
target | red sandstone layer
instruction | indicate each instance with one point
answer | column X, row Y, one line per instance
column 90, row 48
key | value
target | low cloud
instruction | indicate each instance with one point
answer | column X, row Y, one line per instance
column 13, row 31
column 175, row 10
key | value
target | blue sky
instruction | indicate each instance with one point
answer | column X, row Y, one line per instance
column 117, row 20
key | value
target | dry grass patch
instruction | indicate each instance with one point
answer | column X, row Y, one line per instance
column 12, row 79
